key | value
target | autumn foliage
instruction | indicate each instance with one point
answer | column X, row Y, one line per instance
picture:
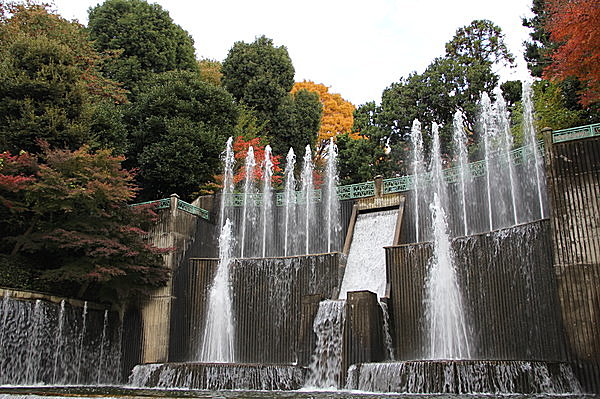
column 575, row 26
column 240, row 149
column 337, row 113
column 67, row 212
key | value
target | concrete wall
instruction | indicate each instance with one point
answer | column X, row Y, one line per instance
column 178, row 230
column 267, row 303
column 509, row 292
column 574, row 192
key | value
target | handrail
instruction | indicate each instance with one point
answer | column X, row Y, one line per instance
column 401, row 183
column 576, row 133
column 165, row 203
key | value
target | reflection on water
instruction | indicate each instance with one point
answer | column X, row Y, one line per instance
column 82, row 392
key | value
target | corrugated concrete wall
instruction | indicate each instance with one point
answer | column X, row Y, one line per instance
column 179, row 230
column 509, row 292
column 267, row 304
column 574, row 190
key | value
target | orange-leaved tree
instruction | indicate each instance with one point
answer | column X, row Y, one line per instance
column 575, row 26
column 337, row 115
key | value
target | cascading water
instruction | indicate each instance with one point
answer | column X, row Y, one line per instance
column 417, row 163
column 325, row 368
column 267, row 202
column 332, row 204
column 290, row 236
column 217, row 343
column 460, row 147
column 448, row 331
column 50, row 343
column 248, row 207
column 308, row 208
column 365, row 268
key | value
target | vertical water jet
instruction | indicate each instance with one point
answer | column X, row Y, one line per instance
column 332, row 203
column 308, row 197
column 448, row 333
column 247, row 210
column 217, row 343
column 289, row 203
column 416, row 140
column 267, row 201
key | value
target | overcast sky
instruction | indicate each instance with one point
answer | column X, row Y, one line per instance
column 356, row 47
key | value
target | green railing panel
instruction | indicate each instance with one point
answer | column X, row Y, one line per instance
column 194, row 210
column 158, row 204
column 398, row 184
column 358, row 190
column 184, row 206
column 575, row 133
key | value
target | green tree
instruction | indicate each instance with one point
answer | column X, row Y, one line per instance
column 50, row 81
column 180, row 125
column 145, row 38
column 259, row 75
column 76, row 226
column 538, row 48
column 297, row 122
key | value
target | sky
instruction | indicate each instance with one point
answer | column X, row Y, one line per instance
column 355, row 47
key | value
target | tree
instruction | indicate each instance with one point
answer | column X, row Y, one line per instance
column 210, row 71
column 450, row 83
column 538, row 48
column 481, row 41
column 77, row 226
column 179, row 128
column 50, row 81
column 296, row 122
column 575, row 26
column 145, row 38
column 258, row 144
column 337, row 115
column 259, row 75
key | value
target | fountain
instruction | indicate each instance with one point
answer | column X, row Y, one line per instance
column 453, row 293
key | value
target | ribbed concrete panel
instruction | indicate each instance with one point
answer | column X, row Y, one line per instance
column 267, row 302
column 574, row 190
column 509, row 292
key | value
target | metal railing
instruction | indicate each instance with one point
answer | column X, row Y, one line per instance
column 575, row 133
column 396, row 184
column 165, row 203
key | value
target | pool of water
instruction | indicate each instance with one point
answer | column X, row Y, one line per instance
column 53, row 392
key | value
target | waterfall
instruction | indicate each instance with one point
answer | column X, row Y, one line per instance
column 267, row 202
column 217, row 343
column 325, row 367
column 290, row 204
column 365, row 268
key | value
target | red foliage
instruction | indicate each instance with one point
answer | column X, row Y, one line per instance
column 240, row 149
column 575, row 26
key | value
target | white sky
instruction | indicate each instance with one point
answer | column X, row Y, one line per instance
column 356, row 47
